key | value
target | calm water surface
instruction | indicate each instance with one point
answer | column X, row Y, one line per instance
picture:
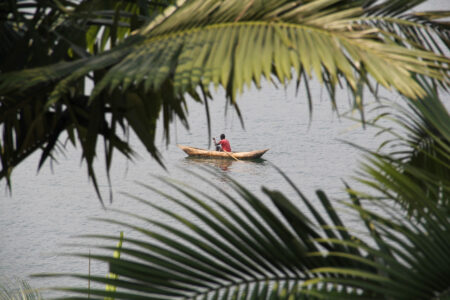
column 47, row 210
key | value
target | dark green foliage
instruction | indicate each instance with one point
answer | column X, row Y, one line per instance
column 418, row 159
column 56, row 33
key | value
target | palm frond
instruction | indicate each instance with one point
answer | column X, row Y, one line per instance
column 242, row 248
column 17, row 289
column 72, row 31
column 414, row 266
column 417, row 164
column 303, row 42
column 233, row 44
column 269, row 259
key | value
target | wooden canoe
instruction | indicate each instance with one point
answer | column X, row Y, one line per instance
column 196, row 152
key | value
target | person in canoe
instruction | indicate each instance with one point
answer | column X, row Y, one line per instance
column 223, row 144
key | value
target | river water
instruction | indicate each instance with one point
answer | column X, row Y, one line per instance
column 46, row 210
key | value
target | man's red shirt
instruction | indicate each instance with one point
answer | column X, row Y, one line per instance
column 225, row 145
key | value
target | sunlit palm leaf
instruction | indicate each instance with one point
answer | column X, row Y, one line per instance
column 195, row 52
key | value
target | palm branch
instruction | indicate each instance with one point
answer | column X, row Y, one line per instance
column 16, row 289
column 61, row 31
column 232, row 44
column 243, row 250
column 418, row 151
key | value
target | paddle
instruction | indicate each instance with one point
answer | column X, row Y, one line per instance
column 229, row 153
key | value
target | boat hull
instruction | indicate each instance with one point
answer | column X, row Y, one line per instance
column 196, row 152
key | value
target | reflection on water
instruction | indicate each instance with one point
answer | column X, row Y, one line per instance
column 223, row 164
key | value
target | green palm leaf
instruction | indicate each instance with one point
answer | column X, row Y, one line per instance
column 258, row 256
column 412, row 266
column 233, row 44
column 229, row 41
column 64, row 31
column 421, row 166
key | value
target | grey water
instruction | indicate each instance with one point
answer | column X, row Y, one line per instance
column 47, row 210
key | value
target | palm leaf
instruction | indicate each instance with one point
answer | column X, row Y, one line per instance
column 420, row 273
column 16, row 289
column 233, row 266
column 422, row 166
column 360, row 45
column 244, row 261
column 33, row 124
column 232, row 44
column 412, row 241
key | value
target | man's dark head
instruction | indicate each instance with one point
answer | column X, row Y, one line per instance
column 222, row 136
